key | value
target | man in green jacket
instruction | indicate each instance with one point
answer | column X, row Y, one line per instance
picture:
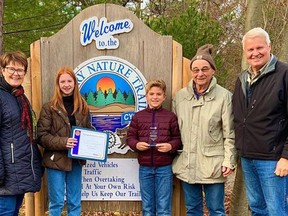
column 204, row 111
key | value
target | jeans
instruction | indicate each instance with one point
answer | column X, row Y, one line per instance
column 267, row 193
column 10, row 204
column 156, row 188
column 58, row 181
column 193, row 197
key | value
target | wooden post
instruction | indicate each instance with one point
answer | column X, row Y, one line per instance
column 36, row 101
column 29, row 204
column 1, row 24
column 29, row 197
column 177, row 68
column 176, row 85
column 186, row 71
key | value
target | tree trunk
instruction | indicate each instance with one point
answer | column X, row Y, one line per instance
column 1, row 25
column 283, row 54
column 239, row 203
column 254, row 18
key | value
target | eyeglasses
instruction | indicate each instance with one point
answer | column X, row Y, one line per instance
column 204, row 70
column 12, row 70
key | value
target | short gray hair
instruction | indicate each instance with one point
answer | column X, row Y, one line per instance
column 256, row 32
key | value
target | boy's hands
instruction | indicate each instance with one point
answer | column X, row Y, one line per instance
column 142, row 146
column 163, row 147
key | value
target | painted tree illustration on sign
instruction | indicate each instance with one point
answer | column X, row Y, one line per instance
column 120, row 97
column 91, row 99
column 109, row 99
column 130, row 99
column 100, row 101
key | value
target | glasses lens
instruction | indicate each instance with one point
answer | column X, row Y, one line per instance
column 205, row 69
column 12, row 70
column 195, row 70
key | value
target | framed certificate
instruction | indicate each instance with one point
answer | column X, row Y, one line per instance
column 91, row 145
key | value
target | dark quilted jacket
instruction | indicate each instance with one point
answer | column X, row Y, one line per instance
column 168, row 132
column 53, row 129
column 20, row 161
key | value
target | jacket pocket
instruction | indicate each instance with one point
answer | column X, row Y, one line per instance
column 212, row 167
column 214, row 131
column 279, row 135
column 215, row 150
column 180, row 163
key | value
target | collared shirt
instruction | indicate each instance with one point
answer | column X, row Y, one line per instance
column 198, row 94
column 253, row 77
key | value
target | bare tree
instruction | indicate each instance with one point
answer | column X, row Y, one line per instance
column 272, row 16
column 283, row 55
column 230, row 15
column 1, row 25
column 239, row 203
column 275, row 15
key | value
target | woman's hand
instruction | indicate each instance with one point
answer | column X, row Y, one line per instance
column 71, row 142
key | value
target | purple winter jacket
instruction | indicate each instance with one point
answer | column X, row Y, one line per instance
column 167, row 132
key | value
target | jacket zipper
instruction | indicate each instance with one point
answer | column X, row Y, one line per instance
column 32, row 158
column 12, row 153
column 152, row 149
column 253, row 104
column 244, row 125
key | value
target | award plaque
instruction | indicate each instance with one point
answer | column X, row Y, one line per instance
column 153, row 135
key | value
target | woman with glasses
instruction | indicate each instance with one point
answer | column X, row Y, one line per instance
column 20, row 159
column 204, row 112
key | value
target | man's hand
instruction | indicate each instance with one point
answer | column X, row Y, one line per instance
column 226, row 171
column 282, row 167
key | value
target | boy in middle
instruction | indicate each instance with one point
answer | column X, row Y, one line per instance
column 154, row 134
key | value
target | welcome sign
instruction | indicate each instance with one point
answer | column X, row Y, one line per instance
column 102, row 32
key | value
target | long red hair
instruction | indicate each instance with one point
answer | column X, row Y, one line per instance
column 80, row 104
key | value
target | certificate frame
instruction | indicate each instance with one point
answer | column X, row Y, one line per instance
column 85, row 148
